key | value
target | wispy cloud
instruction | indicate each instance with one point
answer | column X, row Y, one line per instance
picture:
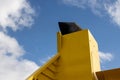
column 15, row 13
column 105, row 56
column 95, row 5
column 114, row 11
column 99, row 7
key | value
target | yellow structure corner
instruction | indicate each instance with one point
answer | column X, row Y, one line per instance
column 77, row 59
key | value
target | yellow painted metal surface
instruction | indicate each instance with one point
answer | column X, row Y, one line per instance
column 77, row 59
column 95, row 61
column 47, row 71
column 113, row 74
column 78, row 50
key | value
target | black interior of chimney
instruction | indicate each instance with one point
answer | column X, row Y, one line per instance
column 68, row 27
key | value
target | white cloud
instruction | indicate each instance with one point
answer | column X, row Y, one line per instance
column 12, row 66
column 9, row 46
column 78, row 3
column 94, row 5
column 15, row 13
column 81, row 3
column 114, row 11
column 99, row 7
column 105, row 56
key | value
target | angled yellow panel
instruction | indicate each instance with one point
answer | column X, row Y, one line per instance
column 47, row 71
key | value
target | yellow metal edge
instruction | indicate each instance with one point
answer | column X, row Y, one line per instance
column 59, row 41
column 94, row 76
column 38, row 71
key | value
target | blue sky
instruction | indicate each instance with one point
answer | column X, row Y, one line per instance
column 28, row 31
